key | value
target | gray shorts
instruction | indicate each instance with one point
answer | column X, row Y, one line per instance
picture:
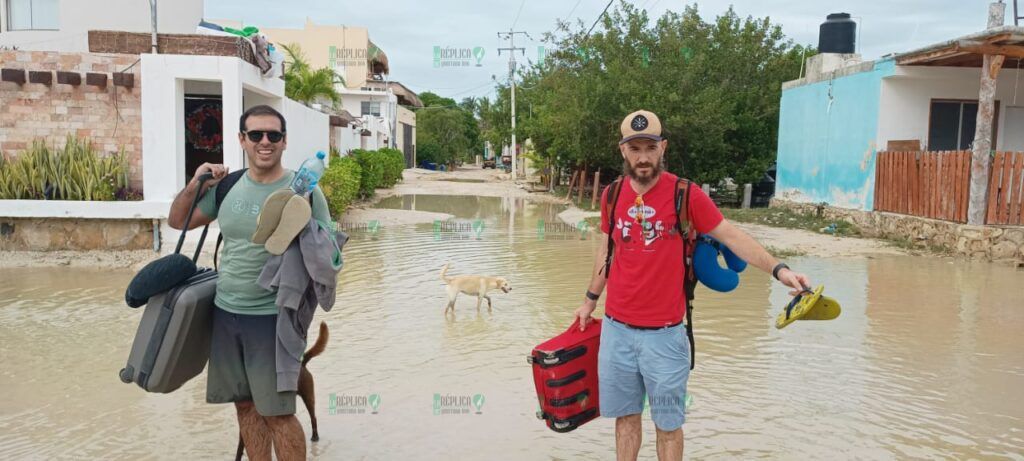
column 243, row 363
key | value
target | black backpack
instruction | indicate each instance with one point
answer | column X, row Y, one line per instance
column 223, row 187
column 685, row 229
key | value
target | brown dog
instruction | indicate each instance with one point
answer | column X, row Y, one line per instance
column 305, row 387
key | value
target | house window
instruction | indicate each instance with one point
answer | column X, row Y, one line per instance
column 370, row 108
column 952, row 123
column 32, row 15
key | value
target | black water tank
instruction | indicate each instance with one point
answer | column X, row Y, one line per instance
column 838, row 34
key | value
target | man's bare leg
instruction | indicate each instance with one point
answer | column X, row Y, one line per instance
column 670, row 445
column 255, row 432
column 627, row 437
column 289, row 440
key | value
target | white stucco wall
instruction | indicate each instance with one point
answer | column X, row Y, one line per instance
column 308, row 132
column 347, row 138
column 77, row 17
column 380, row 127
column 906, row 99
column 164, row 80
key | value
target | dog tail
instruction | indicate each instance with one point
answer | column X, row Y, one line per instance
column 443, row 272
column 318, row 346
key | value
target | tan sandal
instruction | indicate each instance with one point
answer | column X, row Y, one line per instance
column 270, row 215
column 294, row 217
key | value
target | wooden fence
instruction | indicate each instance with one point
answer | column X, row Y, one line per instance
column 937, row 185
column 927, row 184
column 1005, row 189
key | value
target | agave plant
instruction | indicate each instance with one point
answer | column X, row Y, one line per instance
column 75, row 172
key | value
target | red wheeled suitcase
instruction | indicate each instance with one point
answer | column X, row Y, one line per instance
column 565, row 375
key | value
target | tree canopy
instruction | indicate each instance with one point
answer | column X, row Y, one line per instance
column 715, row 86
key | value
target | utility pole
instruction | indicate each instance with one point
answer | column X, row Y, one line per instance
column 981, row 155
column 511, row 36
column 152, row 14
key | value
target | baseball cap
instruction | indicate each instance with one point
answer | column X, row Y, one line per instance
column 640, row 124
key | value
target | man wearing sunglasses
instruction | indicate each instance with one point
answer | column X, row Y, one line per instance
column 644, row 347
column 242, row 366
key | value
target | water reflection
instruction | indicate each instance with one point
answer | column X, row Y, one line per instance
column 923, row 363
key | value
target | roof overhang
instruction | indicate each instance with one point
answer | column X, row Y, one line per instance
column 969, row 50
column 343, row 118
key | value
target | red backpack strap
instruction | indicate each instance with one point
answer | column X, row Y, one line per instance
column 684, row 225
column 611, row 200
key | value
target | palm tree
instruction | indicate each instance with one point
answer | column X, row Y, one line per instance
column 306, row 85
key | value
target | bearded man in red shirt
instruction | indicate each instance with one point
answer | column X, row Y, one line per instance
column 644, row 348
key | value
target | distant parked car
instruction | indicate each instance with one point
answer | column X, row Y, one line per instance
column 764, row 189
column 490, row 164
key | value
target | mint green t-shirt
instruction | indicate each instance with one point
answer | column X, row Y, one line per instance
column 241, row 260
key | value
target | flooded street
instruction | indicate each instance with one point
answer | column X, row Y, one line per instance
column 925, row 361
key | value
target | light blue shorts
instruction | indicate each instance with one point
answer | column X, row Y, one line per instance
column 633, row 363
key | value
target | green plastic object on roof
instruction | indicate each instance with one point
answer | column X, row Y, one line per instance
column 246, row 32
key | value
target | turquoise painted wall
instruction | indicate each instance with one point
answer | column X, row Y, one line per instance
column 826, row 154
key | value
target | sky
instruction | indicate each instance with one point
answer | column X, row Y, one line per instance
column 408, row 30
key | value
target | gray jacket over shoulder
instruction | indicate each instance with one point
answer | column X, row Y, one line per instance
column 305, row 275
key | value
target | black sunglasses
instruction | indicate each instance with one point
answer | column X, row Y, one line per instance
column 257, row 135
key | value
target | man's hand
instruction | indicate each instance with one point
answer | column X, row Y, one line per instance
column 583, row 313
column 794, row 280
column 219, row 171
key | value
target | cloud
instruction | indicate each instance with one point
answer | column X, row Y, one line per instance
column 407, row 30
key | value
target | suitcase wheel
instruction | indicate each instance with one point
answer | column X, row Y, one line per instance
column 126, row 376
column 550, row 360
column 561, row 424
column 540, row 414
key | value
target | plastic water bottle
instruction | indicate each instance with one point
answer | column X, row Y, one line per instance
column 308, row 175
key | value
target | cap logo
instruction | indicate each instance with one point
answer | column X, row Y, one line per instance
column 639, row 123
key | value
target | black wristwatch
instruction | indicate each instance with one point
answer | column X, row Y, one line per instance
column 777, row 268
column 592, row 296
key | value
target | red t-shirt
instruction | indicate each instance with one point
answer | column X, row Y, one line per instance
column 646, row 283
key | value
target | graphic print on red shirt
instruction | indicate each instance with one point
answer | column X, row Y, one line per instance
column 646, row 283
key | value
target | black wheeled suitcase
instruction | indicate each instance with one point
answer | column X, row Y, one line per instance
column 172, row 343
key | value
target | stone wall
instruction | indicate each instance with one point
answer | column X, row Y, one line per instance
column 109, row 116
column 51, row 234
column 994, row 243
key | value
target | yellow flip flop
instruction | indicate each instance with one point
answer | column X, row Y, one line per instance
column 825, row 309
column 808, row 305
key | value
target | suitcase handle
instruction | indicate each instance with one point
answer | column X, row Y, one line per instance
column 188, row 219
column 571, row 423
column 557, row 358
column 582, row 395
column 559, row 382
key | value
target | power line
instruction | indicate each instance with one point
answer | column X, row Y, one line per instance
column 598, row 19
column 471, row 89
column 521, row 4
column 568, row 17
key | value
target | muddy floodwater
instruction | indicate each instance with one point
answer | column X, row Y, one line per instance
column 926, row 361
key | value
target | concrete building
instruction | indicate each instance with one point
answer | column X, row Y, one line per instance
column 168, row 111
column 925, row 146
column 378, row 105
column 63, row 25
column 834, row 121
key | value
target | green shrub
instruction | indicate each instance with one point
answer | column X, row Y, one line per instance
column 75, row 172
column 394, row 163
column 429, row 152
column 340, row 183
column 372, row 171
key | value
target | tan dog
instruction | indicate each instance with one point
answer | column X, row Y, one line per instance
column 474, row 285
